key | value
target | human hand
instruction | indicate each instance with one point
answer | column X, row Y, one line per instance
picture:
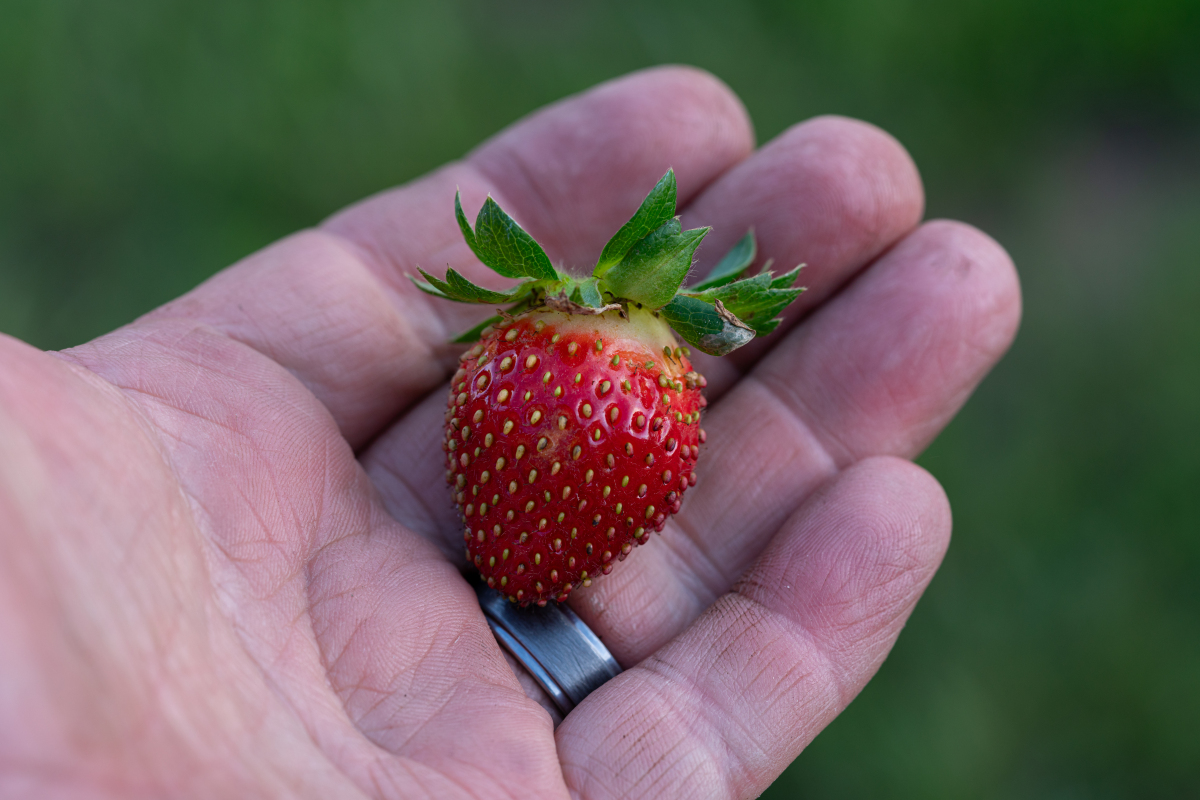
column 231, row 567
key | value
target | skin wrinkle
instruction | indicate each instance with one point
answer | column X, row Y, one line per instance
column 381, row 265
column 769, row 566
column 377, row 578
column 391, row 272
column 589, row 777
column 681, row 709
column 267, row 538
column 431, row 715
column 629, row 757
column 347, row 690
column 333, row 662
column 837, row 453
column 412, row 668
column 446, row 776
column 138, row 395
column 910, row 576
column 450, row 698
column 732, row 759
column 264, row 340
column 825, row 155
column 317, row 555
column 658, row 777
column 771, row 644
column 795, row 630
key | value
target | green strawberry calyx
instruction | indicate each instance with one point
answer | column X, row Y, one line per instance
column 645, row 263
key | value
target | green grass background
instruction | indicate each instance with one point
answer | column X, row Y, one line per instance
column 145, row 144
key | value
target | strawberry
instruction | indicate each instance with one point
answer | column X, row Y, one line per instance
column 572, row 426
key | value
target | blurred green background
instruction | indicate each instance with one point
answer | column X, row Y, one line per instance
column 146, row 144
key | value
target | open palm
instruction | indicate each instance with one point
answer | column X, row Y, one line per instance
column 230, row 566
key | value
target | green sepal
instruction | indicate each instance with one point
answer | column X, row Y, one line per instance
column 458, row 288
column 429, row 288
column 730, row 268
column 654, row 268
column 656, row 209
column 785, row 280
column 503, row 245
column 466, row 337
column 753, row 300
column 465, row 226
column 703, row 326
column 587, row 293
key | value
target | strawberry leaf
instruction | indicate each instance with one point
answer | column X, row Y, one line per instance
column 704, row 327
column 500, row 243
column 465, row 226
column 430, row 288
column 657, row 208
column 587, row 293
column 458, row 288
column 654, row 268
column 731, row 267
column 754, row 300
column 786, row 280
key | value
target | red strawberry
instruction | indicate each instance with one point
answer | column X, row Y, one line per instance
column 569, row 439
column 572, row 428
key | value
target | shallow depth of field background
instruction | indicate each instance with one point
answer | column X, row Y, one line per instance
column 145, row 145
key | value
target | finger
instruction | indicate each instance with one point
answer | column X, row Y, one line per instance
column 724, row 708
column 334, row 305
column 831, row 193
column 880, row 369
